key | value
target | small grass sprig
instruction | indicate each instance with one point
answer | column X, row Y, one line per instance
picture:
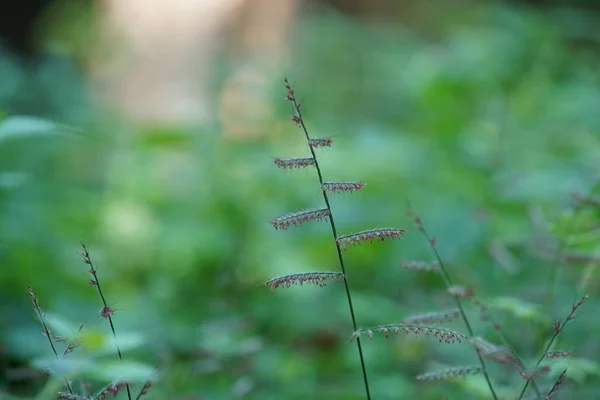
column 46, row 330
column 557, row 385
column 144, row 390
column 559, row 326
column 449, row 373
column 512, row 355
column 107, row 311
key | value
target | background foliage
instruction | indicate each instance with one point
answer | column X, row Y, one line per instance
column 486, row 120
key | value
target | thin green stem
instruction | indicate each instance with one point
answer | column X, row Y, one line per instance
column 339, row 250
column 106, row 310
column 448, row 282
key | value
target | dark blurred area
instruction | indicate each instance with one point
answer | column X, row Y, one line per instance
column 18, row 25
column 18, row 18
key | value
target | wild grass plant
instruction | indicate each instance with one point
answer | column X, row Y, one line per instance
column 71, row 344
column 521, row 372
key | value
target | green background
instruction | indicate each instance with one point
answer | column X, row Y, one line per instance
column 486, row 119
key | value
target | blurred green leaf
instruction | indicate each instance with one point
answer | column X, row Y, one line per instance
column 112, row 371
column 521, row 309
column 578, row 369
column 26, row 126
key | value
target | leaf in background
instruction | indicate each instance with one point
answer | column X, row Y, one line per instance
column 24, row 126
column 58, row 367
column 60, row 326
column 520, row 309
column 578, row 369
column 125, row 341
column 94, row 340
column 11, row 180
column 110, row 371
column 53, row 385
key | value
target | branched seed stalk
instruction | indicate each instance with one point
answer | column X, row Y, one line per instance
column 558, row 328
column 448, row 281
column 106, row 310
column 298, row 119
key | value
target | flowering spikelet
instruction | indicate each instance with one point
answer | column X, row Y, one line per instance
column 460, row 292
column 448, row 373
column 491, row 351
column 320, row 142
column 300, row 217
column 535, row 373
column 294, row 162
column 423, row 266
column 317, row 278
column 369, row 236
column 443, row 335
column 342, row 186
column 433, row 317
column 559, row 354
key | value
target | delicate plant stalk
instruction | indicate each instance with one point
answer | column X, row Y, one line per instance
column 558, row 328
column 106, row 311
column 496, row 326
column 448, row 282
column 300, row 121
column 38, row 310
